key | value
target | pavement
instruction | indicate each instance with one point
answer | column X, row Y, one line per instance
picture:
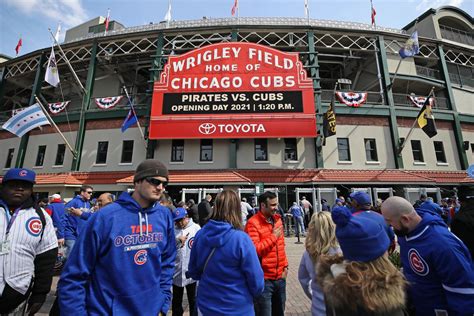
column 297, row 303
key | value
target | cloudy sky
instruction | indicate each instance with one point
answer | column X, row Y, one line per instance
column 31, row 19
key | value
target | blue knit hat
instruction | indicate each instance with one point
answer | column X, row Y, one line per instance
column 179, row 213
column 361, row 239
column 21, row 174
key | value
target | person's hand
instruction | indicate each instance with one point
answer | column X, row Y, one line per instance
column 75, row 211
column 285, row 273
column 33, row 308
column 277, row 231
column 61, row 242
column 182, row 240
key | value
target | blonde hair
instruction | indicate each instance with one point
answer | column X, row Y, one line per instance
column 368, row 276
column 227, row 209
column 376, row 286
column 321, row 235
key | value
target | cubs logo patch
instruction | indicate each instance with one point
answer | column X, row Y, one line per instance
column 141, row 256
column 34, row 226
column 417, row 263
column 191, row 242
column 23, row 173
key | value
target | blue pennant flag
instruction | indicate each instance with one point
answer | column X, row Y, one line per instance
column 411, row 47
column 131, row 118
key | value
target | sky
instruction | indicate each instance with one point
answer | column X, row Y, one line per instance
column 30, row 19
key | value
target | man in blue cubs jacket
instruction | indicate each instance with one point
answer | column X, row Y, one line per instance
column 74, row 225
column 437, row 264
column 123, row 261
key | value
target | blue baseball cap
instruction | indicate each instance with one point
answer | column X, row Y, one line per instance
column 21, row 174
column 361, row 198
column 179, row 213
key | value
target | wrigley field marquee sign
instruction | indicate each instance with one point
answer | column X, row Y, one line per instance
column 233, row 90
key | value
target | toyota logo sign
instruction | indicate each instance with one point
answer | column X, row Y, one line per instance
column 207, row 128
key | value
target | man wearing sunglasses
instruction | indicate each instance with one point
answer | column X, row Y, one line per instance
column 123, row 262
column 74, row 225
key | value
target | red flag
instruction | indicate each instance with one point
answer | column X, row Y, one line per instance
column 373, row 15
column 18, row 46
column 107, row 21
column 234, row 7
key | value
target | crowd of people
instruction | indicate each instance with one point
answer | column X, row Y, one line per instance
column 139, row 253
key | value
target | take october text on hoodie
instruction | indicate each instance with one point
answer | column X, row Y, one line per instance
column 122, row 263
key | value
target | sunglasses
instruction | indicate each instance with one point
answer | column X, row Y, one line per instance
column 88, row 192
column 156, row 182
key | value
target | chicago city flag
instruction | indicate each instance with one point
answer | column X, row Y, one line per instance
column 426, row 119
column 26, row 120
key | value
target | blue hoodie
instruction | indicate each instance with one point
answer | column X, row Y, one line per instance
column 233, row 276
column 56, row 209
column 438, row 268
column 73, row 225
column 119, row 266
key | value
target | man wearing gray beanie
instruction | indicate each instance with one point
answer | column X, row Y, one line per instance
column 124, row 261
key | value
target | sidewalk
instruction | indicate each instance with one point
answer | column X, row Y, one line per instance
column 297, row 304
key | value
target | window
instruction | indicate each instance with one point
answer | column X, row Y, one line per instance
column 206, row 150
column 261, row 149
column 177, row 150
column 40, row 156
column 291, row 153
column 370, row 149
column 8, row 163
column 102, row 148
column 472, row 148
column 416, row 150
column 127, row 151
column 343, row 149
column 60, row 155
column 439, row 151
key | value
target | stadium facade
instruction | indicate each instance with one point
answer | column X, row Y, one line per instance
column 272, row 139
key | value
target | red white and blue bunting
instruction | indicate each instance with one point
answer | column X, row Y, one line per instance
column 57, row 107
column 354, row 99
column 419, row 101
column 108, row 103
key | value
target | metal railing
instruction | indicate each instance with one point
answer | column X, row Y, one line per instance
column 428, row 72
column 456, row 35
column 242, row 21
column 461, row 80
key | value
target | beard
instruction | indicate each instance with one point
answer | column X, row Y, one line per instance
column 402, row 232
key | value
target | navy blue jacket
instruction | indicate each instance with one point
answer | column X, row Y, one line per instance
column 122, row 264
column 438, row 267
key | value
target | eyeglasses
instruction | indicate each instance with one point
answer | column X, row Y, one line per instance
column 88, row 192
column 156, row 182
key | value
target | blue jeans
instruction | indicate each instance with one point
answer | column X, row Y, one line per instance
column 69, row 244
column 272, row 300
column 299, row 225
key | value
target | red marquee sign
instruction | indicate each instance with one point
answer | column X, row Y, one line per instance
column 233, row 90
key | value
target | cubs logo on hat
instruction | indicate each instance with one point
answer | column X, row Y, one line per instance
column 179, row 213
column 21, row 174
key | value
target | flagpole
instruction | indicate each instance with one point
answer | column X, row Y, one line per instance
column 67, row 61
column 54, row 124
column 135, row 113
column 390, row 85
column 413, row 126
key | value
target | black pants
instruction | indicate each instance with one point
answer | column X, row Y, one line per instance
column 11, row 299
column 177, row 303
